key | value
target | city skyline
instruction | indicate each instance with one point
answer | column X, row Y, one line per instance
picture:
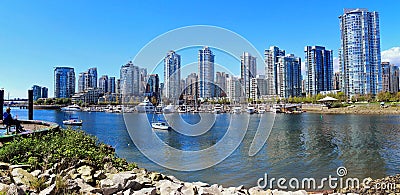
column 50, row 35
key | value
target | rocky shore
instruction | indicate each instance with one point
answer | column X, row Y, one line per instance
column 357, row 109
column 83, row 178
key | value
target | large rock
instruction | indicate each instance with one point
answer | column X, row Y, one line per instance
column 146, row 191
column 86, row 173
column 154, row 176
column 257, row 191
column 51, row 190
column 86, row 188
column 4, row 187
column 134, row 185
column 36, row 173
column 210, row 190
column 188, row 189
column 167, row 187
column 22, row 176
column 15, row 190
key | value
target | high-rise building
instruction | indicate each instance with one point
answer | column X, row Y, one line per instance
column 271, row 60
column 143, row 80
column 289, row 76
column 336, row 81
column 248, row 66
column 87, row 80
column 172, row 76
column 206, row 73
column 103, row 84
column 118, row 86
column 64, row 82
column 220, row 84
column 360, row 52
column 45, row 92
column 37, row 92
column 191, row 89
column 258, row 87
column 153, row 87
column 390, row 78
column 234, row 90
column 111, row 85
column 319, row 69
column 129, row 80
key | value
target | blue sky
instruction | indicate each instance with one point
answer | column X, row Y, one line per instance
column 36, row 36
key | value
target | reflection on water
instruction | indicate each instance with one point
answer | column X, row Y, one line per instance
column 305, row 145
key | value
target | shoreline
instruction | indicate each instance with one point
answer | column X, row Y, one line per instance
column 357, row 109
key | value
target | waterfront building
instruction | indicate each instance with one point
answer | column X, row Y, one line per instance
column 103, row 84
column 258, row 87
column 319, row 69
column 336, row 81
column 89, row 96
column 172, row 76
column 206, row 73
column 87, row 80
column 235, row 91
column 111, row 85
column 360, row 54
column 248, row 67
column 45, row 92
column 288, row 76
column 37, row 92
column 118, row 86
column 390, row 78
column 153, row 88
column 271, row 59
column 129, row 80
column 191, row 89
column 143, row 80
column 64, row 82
column 220, row 82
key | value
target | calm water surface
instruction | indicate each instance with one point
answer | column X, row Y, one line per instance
column 305, row 145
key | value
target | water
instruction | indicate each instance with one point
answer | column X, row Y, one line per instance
column 304, row 145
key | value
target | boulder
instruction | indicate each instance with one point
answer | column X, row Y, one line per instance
column 188, row 189
column 51, row 190
column 86, row 188
column 86, row 173
column 127, row 192
column 22, row 176
column 122, row 178
column 4, row 187
column 72, row 185
column 146, row 191
column 154, row 176
column 134, row 185
column 201, row 184
column 167, row 187
column 99, row 175
column 14, row 190
column 36, row 173
column 210, row 190
column 257, row 191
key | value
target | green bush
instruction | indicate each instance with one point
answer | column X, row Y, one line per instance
column 68, row 146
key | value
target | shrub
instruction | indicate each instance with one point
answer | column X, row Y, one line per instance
column 68, row 146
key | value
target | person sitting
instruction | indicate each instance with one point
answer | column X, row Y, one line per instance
column 8, row 120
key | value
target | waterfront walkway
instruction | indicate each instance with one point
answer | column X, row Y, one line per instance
column 31, row 127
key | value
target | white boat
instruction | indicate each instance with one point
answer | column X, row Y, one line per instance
column 145, row 106
column 217, row 109
column 159, row 109
column 160, row 125
column 73, row 121
column 251, row 109
column 182, row 109
column 236, row 110
column 169, row 109
column 276, row 109
column 71, row 108
column 261, row 110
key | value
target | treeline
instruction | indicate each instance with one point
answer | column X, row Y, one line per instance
column 53, row 101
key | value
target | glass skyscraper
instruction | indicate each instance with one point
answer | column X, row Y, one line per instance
column 248, row 66
column 172, row 76
column 319, row 69
column 360, row 52
column 271, row 59
column 64, row 82
column 206, row 73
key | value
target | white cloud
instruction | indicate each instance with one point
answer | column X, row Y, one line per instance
column 335, row 64
column 391, row 55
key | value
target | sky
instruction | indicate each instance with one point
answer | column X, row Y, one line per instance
column 37, row 36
